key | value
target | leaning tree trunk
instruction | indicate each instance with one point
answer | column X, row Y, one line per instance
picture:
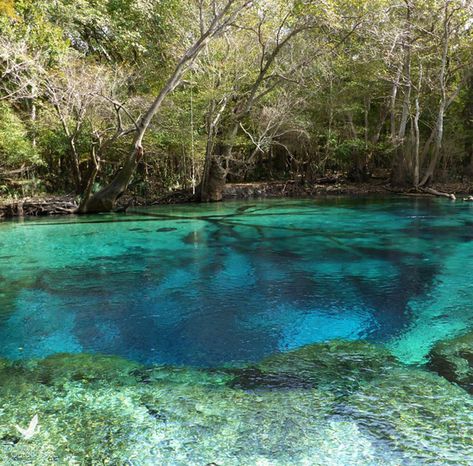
column 105, row 200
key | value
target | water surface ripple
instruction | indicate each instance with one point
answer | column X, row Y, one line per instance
column 231, row 283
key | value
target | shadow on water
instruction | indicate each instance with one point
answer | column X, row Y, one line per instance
column 234, row 285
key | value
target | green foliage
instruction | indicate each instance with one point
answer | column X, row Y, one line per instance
column 16, row 148
column 33, row 26
column 113, row 30
column 7, row 8
column 349, row 149
column 324, row 102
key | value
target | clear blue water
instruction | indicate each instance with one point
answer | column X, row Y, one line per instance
column 231, row 283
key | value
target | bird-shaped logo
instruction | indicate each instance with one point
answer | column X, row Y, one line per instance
column 31, row 429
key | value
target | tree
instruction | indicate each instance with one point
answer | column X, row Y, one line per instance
column 246, row 90
column 271, row 28
column 214, row 19
column 453, row 73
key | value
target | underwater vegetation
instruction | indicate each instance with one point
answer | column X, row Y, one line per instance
column 338, row 403
column 453, row 359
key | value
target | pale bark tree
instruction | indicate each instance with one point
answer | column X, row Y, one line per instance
column 447, row 96
column 214, row 19
column 84, row 95
column 270, row 36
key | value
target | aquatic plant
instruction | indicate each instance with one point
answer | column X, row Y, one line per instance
column 325, row 404
column 453, row 359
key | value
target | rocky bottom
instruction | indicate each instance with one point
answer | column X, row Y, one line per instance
column 340, row 403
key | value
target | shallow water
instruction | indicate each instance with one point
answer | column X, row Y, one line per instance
column 237, row 335
column 231, row 283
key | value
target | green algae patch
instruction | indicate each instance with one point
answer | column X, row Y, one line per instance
column 412, row 412
column 4, row 363
column 87, row 425
column 325, row 404
column 60, row 368
column 169, row 375
column 453, row 359
column 418, row 413
column 86, row 414
column 334, row 365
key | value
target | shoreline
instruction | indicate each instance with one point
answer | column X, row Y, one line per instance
column 49, row 205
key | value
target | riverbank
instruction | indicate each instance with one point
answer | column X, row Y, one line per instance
column 66, row 204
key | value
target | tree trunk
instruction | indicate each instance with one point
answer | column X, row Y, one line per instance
column 416, row 174
column 393, row 100
column 90, row 183
column 416, row 170
column 75, row 165
column 438, row 131
column 438, row 139
column 468, row 119
column 105, row 200
column 213, row 177
column 398, row 173
column 214, row 183
column 241, row 109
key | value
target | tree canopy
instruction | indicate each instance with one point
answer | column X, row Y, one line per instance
column 101, row 96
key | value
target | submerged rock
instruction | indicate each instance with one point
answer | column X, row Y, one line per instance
column 453, row 359
column 325, row 404
column 254, row 378
column 335, row 365
column 61, row 368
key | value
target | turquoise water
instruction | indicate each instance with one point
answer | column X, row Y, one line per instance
column 231, row 283
column 282, row 333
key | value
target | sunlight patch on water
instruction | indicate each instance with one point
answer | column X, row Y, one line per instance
column 443, row 313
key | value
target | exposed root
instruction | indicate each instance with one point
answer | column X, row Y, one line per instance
column 37, row 208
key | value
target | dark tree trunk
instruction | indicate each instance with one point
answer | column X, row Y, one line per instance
column 105, row 200
column 214, row 183
column 214, row 177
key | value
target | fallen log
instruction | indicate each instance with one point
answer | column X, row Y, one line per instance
column 434, row 192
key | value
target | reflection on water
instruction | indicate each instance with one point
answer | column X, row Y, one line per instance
column 243, row 289
column 232, row 283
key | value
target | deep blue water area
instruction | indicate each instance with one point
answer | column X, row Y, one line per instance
column 231, row 283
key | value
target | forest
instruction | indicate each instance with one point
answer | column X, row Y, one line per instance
column 102, row 97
